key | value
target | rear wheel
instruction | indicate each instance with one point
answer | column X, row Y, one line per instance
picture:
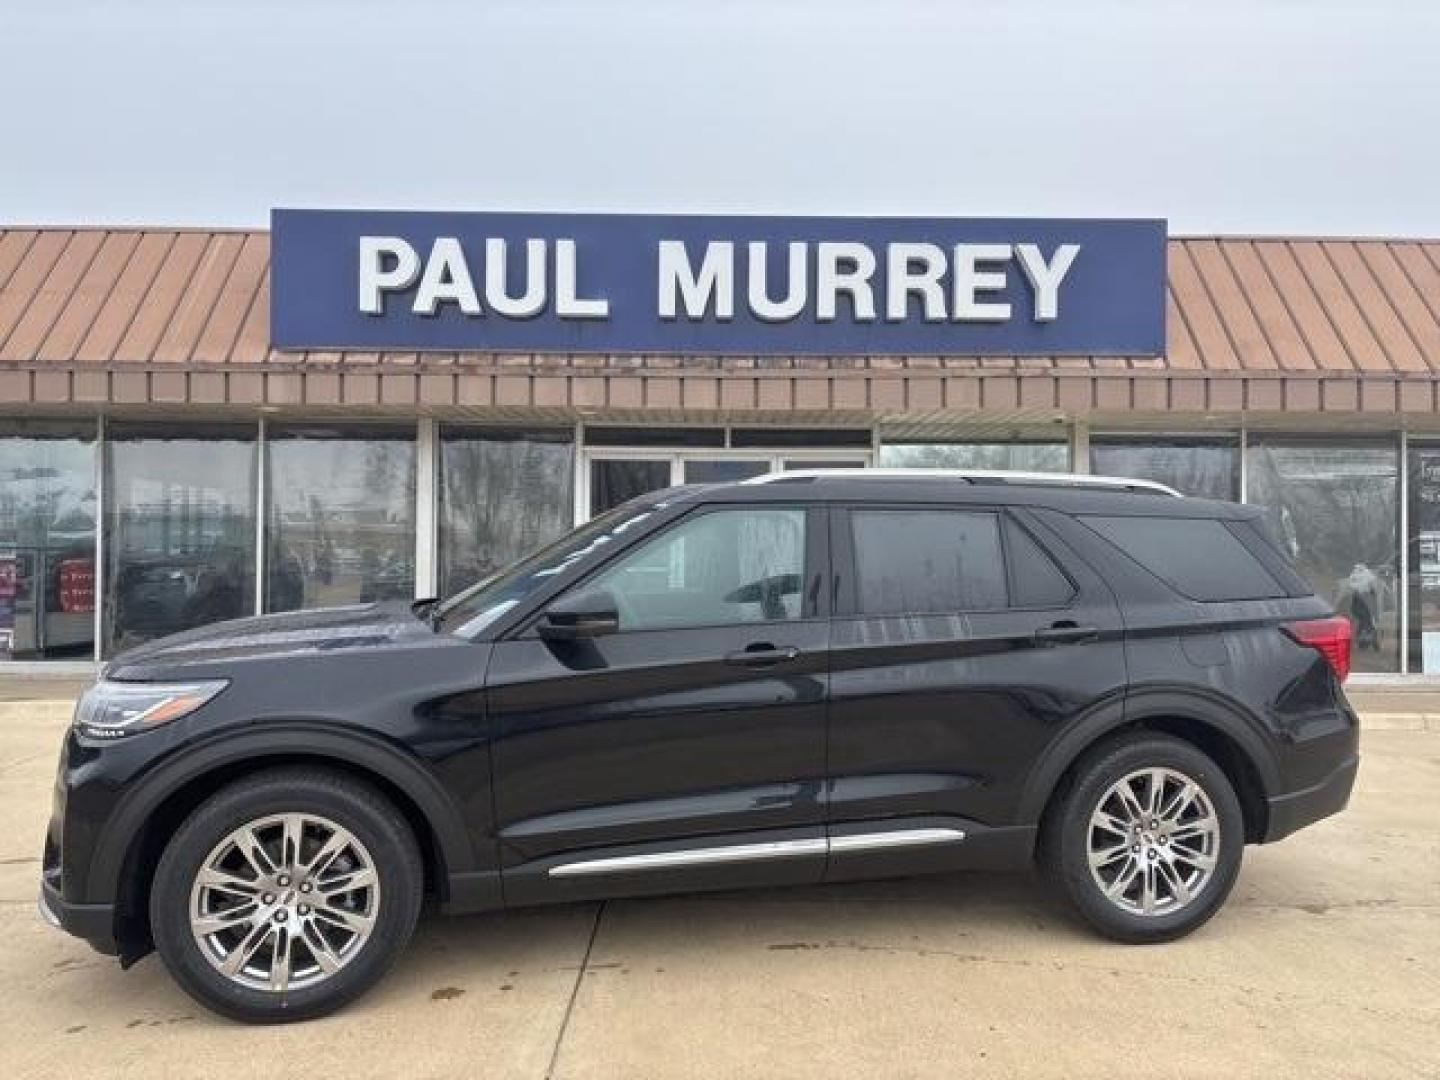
column 1147, row 840
column 286, row 895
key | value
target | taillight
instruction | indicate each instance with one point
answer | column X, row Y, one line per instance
column 1330, row 637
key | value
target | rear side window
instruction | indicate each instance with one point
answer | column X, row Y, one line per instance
column 1199, row 558
column 918, row 561
column 1035, row 580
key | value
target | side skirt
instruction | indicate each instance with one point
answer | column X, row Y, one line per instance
column 851, row 851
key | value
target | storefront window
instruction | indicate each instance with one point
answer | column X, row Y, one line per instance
column 1017, row 456
column 179, row 529
column 618, row 480
column 340, row 516
column 503, row 494
column 47, row 540
column 1203, row 468
column 1335, row 507
column 1424, row 541
column 723, row 470
column 808, row 465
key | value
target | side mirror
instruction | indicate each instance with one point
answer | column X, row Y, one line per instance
column 588, row 613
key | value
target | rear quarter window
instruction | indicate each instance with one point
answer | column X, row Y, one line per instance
column 1197, row 557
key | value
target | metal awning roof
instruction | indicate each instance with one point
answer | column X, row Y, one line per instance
column 1254, row 325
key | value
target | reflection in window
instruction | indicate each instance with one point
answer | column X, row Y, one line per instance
column 1201, row 468
column 718, row 569
column 808, row 464
column 723, row 470
column 1334, row 508
column 909, row 561
column 1424, row 541
column 47, row 540
column 503, row 494
column 613, row 482
column 1016, row 456
column 1199, row 559
column 341, row 515
column 471, row 612
column 179, row 529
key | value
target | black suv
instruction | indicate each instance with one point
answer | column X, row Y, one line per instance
column 803, row 678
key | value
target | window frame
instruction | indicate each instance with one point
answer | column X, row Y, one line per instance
column 846, row 566
column 816, row 600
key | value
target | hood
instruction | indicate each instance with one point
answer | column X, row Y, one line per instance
column 359, row 626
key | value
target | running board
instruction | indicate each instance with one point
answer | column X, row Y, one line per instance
column 744, row 853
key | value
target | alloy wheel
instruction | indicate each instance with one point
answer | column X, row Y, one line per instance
column 284, row 902
column 1153, row 842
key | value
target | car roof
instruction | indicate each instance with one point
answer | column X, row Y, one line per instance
column 1065, row 492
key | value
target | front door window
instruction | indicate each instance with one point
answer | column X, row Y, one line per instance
column 724, row 568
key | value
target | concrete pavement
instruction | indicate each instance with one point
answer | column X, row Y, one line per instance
column 1325, row 963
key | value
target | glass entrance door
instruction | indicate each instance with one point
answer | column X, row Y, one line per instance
column 613, row 476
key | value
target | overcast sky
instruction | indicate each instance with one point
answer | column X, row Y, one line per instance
column 1266, row 116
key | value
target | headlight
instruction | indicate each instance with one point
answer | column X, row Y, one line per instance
column 112, row 710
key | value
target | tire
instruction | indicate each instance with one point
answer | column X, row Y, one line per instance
column 1208, row 831
column 345, row 910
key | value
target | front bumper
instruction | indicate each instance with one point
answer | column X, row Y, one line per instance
column 1296, row 809
column 83, row 799
column 93, row 922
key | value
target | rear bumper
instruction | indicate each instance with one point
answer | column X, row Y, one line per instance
column 93, row 922
column 1296, row 809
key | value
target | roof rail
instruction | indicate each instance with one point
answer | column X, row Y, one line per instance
column 975, row 476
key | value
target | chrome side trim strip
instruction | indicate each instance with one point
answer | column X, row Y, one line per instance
column 671, row 860
column 894, row 839
column 737, row 853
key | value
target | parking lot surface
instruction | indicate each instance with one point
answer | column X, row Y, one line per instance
column 1325, row 963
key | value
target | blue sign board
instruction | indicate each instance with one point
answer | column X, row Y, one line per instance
column 621, row 283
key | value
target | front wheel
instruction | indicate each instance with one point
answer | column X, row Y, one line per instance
column 286, row 895
column 1146, row 842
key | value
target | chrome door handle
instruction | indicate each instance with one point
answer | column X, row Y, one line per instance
column 762, row 656
column 1065, row 633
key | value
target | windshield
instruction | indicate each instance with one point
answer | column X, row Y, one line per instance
column 469, row 612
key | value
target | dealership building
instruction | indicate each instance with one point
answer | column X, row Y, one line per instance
column 202, row 424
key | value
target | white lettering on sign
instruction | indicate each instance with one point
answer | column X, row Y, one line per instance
column 796, row 289
column 446, row 280
column 713, row 283
column 529, row 303
column 914, row 269
column 376, row 278
column 818, row 277
column 1045, row 277
column 847, row 268
column 968, row 281
column 568, row 304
